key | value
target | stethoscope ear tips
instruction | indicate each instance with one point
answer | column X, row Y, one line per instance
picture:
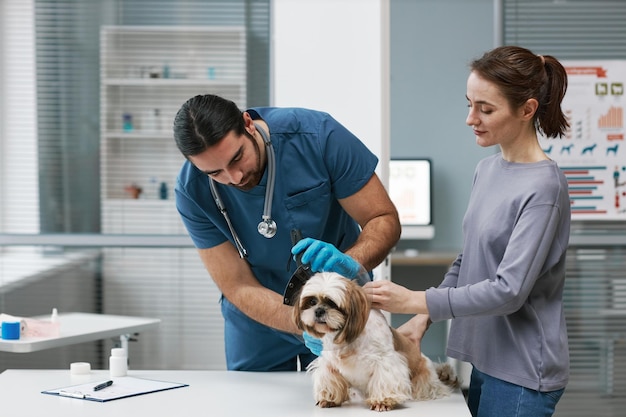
column 267, row 228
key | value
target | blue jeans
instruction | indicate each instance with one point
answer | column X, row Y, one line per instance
column 492, row 397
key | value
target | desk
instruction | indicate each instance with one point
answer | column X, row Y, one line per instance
column 423, row 258
column 82, row 327
column 214, row 393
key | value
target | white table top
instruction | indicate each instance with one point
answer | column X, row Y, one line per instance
column 79, row 328
column 210, row 393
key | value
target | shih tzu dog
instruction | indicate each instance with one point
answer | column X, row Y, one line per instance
column 361, row 351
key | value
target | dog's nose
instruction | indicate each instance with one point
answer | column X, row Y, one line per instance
column 319, row 312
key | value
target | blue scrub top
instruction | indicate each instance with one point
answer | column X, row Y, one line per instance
column 317, row 162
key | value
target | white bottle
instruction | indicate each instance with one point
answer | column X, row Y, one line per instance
column 118, row 362
column 54, row 323
column 151, row 120
column 152, row 189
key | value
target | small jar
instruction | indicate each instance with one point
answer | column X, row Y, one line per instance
column 118, row 362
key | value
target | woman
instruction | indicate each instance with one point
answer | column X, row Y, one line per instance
column 504, row 292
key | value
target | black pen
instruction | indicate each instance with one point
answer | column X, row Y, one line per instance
column 103, row 385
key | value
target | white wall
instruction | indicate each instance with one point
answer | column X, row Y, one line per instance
column 333, row 55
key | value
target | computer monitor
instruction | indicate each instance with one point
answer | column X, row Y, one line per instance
column 410, row 189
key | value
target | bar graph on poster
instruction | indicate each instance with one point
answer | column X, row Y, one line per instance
column 592, row 154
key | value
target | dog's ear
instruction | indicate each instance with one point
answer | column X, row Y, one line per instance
column 357, row 310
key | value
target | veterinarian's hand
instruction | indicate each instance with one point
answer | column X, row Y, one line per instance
column 313, row 343
column 324, row 257
column 395, row 298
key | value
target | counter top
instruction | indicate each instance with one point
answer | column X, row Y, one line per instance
column 79, row 328
column 411, row 257
column 214, row 393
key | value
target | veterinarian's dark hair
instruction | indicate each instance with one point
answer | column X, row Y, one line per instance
column 521, row 75
column 203, row 121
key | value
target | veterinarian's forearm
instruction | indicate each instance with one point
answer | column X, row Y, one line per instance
column 377, row 239
column 266, row 307
column 237, row 283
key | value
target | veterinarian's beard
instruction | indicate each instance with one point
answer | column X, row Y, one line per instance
column 252, row 178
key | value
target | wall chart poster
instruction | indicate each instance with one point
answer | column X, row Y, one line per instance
column 592, row 155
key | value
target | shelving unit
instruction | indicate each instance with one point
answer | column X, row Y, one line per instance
column 147, row 73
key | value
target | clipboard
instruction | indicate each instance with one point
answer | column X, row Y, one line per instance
column 122, row 387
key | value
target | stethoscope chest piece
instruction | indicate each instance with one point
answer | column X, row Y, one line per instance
column 267, row 228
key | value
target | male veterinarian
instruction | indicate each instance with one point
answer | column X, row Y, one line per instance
column 252, row 177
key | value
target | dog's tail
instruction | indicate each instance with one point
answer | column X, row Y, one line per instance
column 447, row 375
column 433, row 380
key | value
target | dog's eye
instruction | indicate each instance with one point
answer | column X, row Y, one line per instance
column 331, row 304
column 312, row 302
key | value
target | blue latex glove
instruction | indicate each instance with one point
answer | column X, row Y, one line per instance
column 324, row 257
column 313, row 343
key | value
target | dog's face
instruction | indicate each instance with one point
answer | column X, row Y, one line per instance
column 331, row 303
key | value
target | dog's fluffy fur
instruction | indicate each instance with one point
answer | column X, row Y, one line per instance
column 361, row 351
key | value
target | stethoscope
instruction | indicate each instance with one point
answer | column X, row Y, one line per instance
column 267, row 226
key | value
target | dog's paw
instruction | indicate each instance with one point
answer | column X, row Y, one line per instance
column 327, row 404
column 384, row 405
column 446, row 374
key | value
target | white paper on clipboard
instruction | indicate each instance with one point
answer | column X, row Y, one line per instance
column 122, row 387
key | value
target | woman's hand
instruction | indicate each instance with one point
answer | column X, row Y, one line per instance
column 395, row 298
column 415, row 328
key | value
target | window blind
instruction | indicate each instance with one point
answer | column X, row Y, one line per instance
column 571, row 29
column 91, row 65
column 595, row 289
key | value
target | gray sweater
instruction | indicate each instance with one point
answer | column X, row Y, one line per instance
column 505, row 290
